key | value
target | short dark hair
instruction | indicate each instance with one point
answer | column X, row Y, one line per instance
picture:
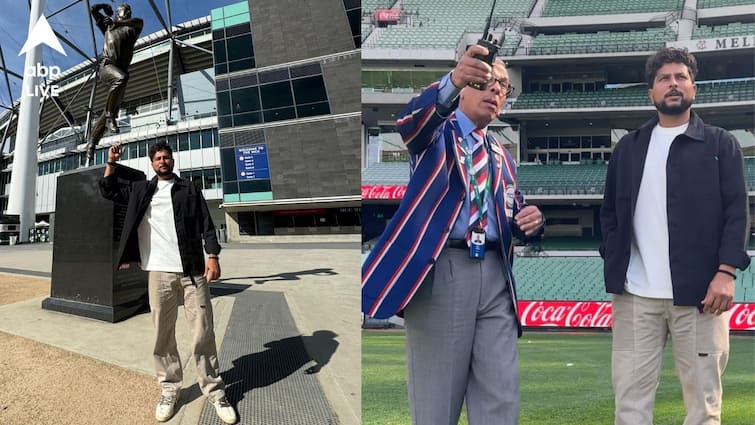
column 159, row 146
column 669, row 55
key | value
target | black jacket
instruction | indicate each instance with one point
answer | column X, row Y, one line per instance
column 706, row 207
column 193, row 222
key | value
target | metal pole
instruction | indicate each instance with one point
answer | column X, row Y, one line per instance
column 22, row 196
column 170, row 82
column 90, row 105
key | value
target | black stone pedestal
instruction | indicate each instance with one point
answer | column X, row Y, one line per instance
column 87, row 231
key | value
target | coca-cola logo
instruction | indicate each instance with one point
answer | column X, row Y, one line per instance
column 592, row 314
column 383, row 191
column 565, row 314
column 742, row 316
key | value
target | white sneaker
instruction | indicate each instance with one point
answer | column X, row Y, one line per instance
column 224, row 410
column 165, row 407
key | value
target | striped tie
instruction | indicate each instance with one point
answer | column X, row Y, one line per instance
column 479, row 176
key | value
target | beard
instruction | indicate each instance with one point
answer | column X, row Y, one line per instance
column 679, row 109
column 166, row 173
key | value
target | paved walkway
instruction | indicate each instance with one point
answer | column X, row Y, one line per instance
column 286, row 321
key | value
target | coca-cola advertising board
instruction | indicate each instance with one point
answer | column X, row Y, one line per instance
column 377, row 191
column 387, row 15
column 592, row 314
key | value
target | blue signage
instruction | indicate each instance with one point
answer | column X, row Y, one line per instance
column 251, row 162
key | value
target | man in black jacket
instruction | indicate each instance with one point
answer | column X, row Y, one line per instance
column 166, row 221
column 674, row 222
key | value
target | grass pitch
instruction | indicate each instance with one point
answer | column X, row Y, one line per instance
column 565, row 379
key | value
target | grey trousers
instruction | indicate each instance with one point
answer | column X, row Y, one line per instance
column 165, row 290
column 461, row 344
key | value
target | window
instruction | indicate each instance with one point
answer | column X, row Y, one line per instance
column 218, row 50
column 246, row 100
column 224, row 102
column 251, row 186
column 228, row 161
column 309, row 90
column 354, row 15
column 207, row 139
column 279, row 114
column 194, row 141
column 239, row 47
column 230, row 188
column 211, row 178
column 183, row 142
column 173, row 142
column 313, row 109
column 276, row 95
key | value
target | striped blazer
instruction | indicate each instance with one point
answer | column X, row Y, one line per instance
column 412, row 241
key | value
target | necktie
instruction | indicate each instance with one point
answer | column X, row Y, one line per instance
column 478, row 174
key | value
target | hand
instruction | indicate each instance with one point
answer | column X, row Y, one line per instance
column 212, row 269
column 470, row 69
column 114, row 153
column 529, row 220
column 720, row 294
column 107, row 21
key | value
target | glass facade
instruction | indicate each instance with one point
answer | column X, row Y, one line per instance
column 354, row 15
column 192, row 140
column 281, row 222
column 232, row 38
column 274, row 95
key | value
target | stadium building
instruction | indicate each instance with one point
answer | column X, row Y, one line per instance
column 268, row 133
column 578, row 70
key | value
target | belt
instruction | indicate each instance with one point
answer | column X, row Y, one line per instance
column 462, row 244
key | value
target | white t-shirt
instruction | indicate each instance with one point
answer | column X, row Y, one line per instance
column 649, row 272
column 158, row 242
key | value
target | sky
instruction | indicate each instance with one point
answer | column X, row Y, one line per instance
column 72, row 24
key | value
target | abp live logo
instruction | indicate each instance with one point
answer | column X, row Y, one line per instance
column 42, row 33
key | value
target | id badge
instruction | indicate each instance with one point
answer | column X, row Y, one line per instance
column 477, row 245
column 509, row 202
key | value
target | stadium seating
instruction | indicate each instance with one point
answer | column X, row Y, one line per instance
column 608, row 7
column 566, row 179
column 581, row 279
column 560, row 279
column 728, row 91
column 582, row 179
column 632, row 96
column 602, row 42
column 750, row 173
column 730, row 30
column 705, row 4
column 441, row 23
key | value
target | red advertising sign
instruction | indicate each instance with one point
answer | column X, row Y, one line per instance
column 383, row 191
column 387, row 15
column 591, row 314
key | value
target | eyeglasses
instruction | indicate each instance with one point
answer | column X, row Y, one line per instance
column 507, row 88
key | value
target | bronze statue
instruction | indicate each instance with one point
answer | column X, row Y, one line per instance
column 121, row 32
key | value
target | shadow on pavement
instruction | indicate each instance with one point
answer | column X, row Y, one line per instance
column 281, row 359
column 219, row 288
column 285, row 276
